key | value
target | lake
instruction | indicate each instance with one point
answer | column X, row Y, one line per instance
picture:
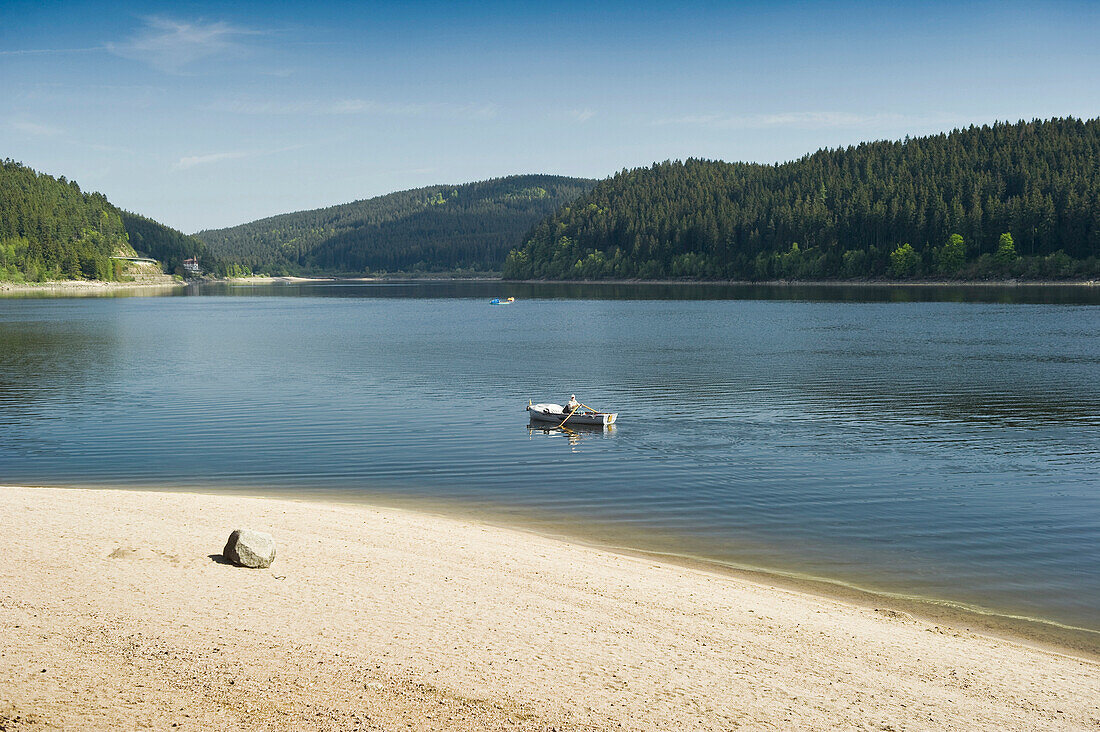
column 932, row 442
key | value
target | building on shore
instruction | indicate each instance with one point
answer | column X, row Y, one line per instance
column 191, row 266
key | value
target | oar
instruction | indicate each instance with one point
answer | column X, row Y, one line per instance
column 569, row 415
column 590, row 409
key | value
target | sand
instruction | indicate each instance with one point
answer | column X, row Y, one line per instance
column 275, row 279
column 116, row 613
column 89, row 287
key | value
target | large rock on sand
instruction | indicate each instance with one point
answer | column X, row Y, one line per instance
column 250, row 548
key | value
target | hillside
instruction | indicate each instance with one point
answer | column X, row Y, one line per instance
column 52, row 230
column 933, row 206
column 439, row 228
column 169, row 246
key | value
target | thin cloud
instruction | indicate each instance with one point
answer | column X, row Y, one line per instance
column 193, row 160
column 434, row 109
column 171, row 45
column 581, row 115
column 99, row 147
column 190, row 161
column 40, row 51
column 369, row 106
column 797, row 120
column 355, row 107
column 35, row 129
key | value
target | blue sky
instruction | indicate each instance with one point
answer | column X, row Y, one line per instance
column 206, row 115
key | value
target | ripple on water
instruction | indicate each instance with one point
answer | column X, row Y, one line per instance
column 938, row 448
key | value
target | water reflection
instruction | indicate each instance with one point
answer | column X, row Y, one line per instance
column 574, row 434
column 936, row 448
column 48, row 364
column 523, row 292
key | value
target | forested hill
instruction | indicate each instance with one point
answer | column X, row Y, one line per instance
column 935, row 206
column 52, row 230
column 439, row 228
column 170, row 246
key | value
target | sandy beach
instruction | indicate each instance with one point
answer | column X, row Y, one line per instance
column 117, row 613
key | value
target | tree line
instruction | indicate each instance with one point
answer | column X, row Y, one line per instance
column 170, row 247
column 439, row 228
column 52, row 230
column 996, row 201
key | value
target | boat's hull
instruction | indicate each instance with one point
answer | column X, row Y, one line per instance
column 579, row 418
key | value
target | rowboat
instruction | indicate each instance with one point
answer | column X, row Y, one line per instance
column 556, row 413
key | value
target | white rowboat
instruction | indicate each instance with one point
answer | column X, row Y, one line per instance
column 556, row 413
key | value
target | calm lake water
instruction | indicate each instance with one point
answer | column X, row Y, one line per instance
column 938, row 442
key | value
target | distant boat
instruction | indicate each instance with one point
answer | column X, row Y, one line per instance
column 556, row 413
column 498, row 301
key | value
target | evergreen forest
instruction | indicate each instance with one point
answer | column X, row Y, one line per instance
column 1003, row 201
column 1008, row 200
column 171, row 247
column 436, row 229
column 52, row 230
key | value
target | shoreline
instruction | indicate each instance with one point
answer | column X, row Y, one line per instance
column 824, row 283
column 1038, row 632
column 1035, row 632
column 87, row 288
column 291, row 279
column 445, row 622
column 96, row 286
column 84, row 287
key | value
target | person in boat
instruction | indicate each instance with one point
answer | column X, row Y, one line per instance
column 572, row 405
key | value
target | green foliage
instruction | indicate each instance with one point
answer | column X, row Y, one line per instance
column 527, row 194
column 169, row 246
column 441, row 228
column 13, row 254
column 853, row 263
column 904, row 261
column 50, row 229
column 951, row 257
column 847, row 208
column 1006, row 249
column 237, row 270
